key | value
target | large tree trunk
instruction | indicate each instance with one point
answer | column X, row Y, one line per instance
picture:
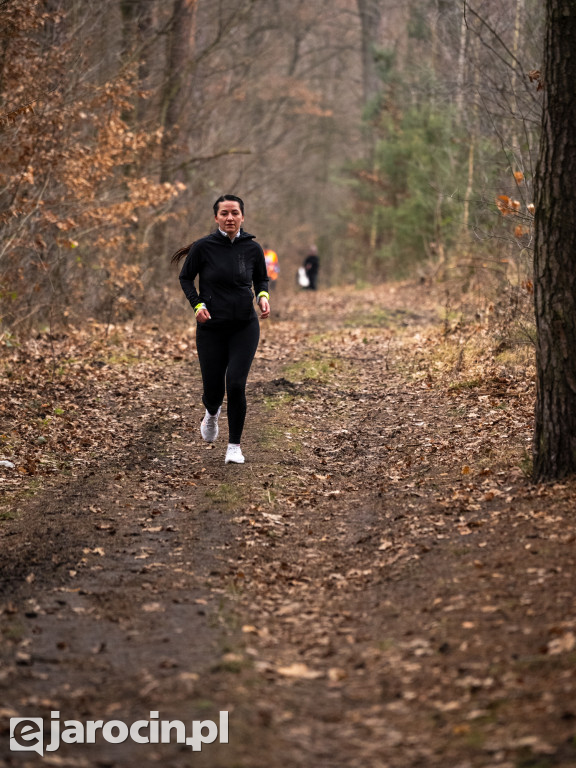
column 555, row 252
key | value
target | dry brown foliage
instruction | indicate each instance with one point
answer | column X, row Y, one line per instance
column 72, row 187
column 380, row 584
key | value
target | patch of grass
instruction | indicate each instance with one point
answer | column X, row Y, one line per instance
column 29, row 488
column 379, row 317
column 534, row 761
column 546, row 662
column 503, row 456
column 460, row 551
column 233, row 589
column 203, row 704
column 225, row 493
column 452, row 357
column 272, row 402
column 458, row 386
column 475, row 738
column 232, row 665
column 33, row 487
column 518, row 356
column 388, row 644
column 124, row 358
column 527, row 464
column 14, row 632
column 271, row 436
column 317, row 370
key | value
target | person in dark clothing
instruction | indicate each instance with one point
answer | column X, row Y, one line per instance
column 228, row 263
column 312, row 265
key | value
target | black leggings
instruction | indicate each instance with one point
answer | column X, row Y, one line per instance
column 225, row 352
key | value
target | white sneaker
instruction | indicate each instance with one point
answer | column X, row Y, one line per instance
column 234, row 454
column 209, row 426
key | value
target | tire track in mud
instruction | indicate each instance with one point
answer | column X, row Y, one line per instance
column 113, row 594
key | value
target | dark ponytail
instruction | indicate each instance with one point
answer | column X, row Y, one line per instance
column 180, row 254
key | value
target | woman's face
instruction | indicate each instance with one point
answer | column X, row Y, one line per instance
column 229, row 217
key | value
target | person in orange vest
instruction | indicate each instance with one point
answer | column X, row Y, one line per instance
column 272, row 266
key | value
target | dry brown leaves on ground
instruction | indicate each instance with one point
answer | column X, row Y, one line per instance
column 379, row 585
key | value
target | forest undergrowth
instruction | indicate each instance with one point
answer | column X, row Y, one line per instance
column 379, row 585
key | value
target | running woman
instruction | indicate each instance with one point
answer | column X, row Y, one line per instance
column 228, row 263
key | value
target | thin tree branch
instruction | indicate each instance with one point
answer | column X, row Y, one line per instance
column 207, row 158
column 516, row 63
column 10, row 117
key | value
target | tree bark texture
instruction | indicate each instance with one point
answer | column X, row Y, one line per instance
column 137, row 33
column 554, row 449
column 370, row 12
column 177, row 68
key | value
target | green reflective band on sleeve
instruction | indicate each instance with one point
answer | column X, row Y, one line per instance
column 198, row 307
column 265, row 294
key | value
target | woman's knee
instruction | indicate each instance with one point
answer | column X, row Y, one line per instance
column 236, row 389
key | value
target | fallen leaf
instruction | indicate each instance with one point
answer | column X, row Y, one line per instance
column 300, row 671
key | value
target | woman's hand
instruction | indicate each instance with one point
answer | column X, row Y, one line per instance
column 202, row 315
column 264, row 307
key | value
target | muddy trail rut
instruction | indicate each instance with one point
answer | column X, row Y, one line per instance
column 378, row 586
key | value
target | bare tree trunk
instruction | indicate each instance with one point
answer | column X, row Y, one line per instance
column 461, row 69
column 178, row 58
column 554, row 449
column 370, row 13
column 136, row 32
column 469, row 184
column 472, row 123
column 370, row 17
column 518, row 22
column 127, row 11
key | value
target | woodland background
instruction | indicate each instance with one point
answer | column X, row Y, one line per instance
column 399, row 136
column 382, row 582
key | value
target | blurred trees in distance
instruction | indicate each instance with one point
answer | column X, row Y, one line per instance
column 399, row 137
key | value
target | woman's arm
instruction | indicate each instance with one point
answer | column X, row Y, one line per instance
column 260, row 273
column 260, row 280
column 189, row 273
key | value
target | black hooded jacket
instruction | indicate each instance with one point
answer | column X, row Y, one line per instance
column 226, row 270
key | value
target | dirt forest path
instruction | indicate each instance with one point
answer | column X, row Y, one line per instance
column 378, row 586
